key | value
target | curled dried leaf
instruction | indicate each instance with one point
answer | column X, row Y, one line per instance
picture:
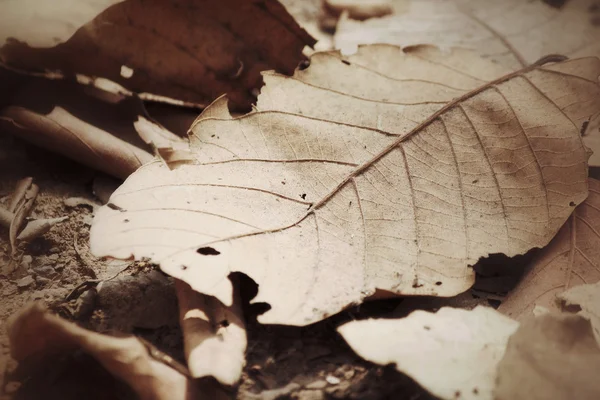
column 127, row 358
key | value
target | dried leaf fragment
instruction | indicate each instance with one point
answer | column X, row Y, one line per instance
column 572, row 258
column 452, row 353
column 125, row 357
column 588, row 298
column 64, row 118
column 550, row 357
column 214, row 335
column 297, row 201
column 514, row 33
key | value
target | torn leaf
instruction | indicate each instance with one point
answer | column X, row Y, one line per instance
column 571, row 259
column 452, row 353
column 402, row 201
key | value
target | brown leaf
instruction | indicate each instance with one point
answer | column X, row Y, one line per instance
column 35, row 334
column 453, row 353
column 550, row 357
column 572, row 258
column 514, row 33
column 46, row 24
column 322, row 211
column 187, row 50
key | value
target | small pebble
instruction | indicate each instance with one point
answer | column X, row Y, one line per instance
column 53, row 257
column 9, row 290
column 25, row 282
column 332, row 380
column 54, row 250
column 40, row 280
column 45, row 271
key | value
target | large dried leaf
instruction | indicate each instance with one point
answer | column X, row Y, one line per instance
column 453, row 353
column 551, row 357
column 322, row 211
column 515, row 33
column 572, row 258
column 187, row 50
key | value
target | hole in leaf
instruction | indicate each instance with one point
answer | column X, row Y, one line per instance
column 494, row 303
column 208, row 251
column 224, row 323
column 438, row 283
column 572, row 204
column 303, row 196
column 303, row 65
column 584, row 126
column 125, row 220
column 346, row 62
column 427, row 328
column 183, row 267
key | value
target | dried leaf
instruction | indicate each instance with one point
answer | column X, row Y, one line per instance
column 587, row 297
column 452, row 353
column 322, row 211
column 572, row 258
column 214, row 335
column 514, row 33
column 359, row 9
column 63, row 118
column 550, row 357
column 125, row 357
column 187, row 50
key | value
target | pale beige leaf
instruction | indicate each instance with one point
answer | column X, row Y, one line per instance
column 46, row 23
column 452, row 353
column 214, row 335
column 550, row 357
column 323, row 211
column 587, row 297
column 35, row 334
column 515, row 32
column 572, row 258
column 359, row 9
column 186, row 50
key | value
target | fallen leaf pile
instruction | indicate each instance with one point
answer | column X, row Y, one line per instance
column 439, row 134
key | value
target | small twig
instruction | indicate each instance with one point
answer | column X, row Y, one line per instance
column 94, row 282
